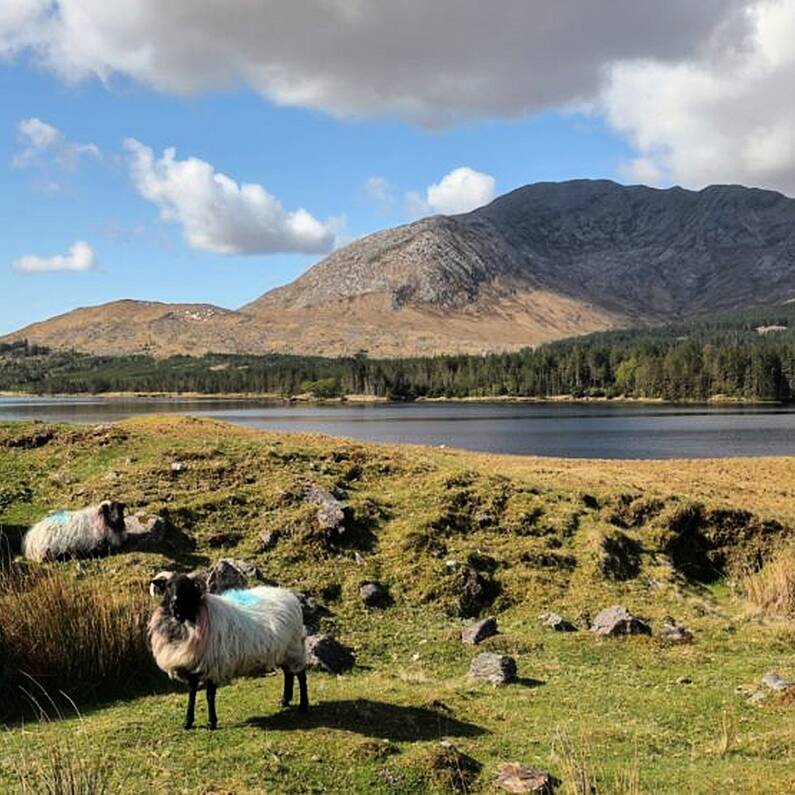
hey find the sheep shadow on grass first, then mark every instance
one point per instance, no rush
(375, 719)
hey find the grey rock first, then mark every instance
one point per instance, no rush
(229, 574)
(615, 621)
(312, 610)
(144, 532)
(557, 622)
(374, 594)
(518, 777)
(776, 682)
(327, 654)
(330, 510)
(178, 466)
(675, 633)
(499, 669)
(268, 539)
(479, 631)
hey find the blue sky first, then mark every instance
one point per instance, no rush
(305, 158)
(310, 101)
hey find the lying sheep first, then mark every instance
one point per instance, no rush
(66, 534)
(208, 640)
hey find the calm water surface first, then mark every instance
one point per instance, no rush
(569, 430)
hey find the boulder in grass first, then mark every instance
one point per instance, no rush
(230, 574)
(499, 669)
(144, 532)
(326, 653)
(675, 633)
(557, 622)
(330, 510)
(479, 631)
(374, 594)
(517, 777)
(776, 682)
(616, 621)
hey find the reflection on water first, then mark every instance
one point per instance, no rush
(595, 430)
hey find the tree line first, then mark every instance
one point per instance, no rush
(748, 355)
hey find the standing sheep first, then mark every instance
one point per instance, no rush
(65, 534)
(208, 640)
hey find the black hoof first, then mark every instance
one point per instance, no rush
(284, 704)
(187, 725)
(212, 726)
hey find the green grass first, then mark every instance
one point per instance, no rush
(611, 711)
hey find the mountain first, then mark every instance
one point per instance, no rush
(546, 261)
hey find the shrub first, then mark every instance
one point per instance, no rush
(771, 590)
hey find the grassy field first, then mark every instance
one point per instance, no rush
(621, 715)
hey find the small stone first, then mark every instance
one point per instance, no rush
(674, 633)
(267, 540)
(311, 608)
(499, 669)
(557, 622)
(616, 621)
(374, 594)
(479, 631)
(328, 654)
(517, 777)
(316, 758)
(776, 682)
(178, 466)
(684, 680)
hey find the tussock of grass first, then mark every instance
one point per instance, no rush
(771, 590)
(69, 633)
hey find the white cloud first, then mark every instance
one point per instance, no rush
(378, 191)
(432, 62)
(460, 191)
(38, 138)
(80, 258)
(700, 90)
(726, 116)
(218, 214)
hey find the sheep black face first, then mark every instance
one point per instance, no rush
(113, 514)
(182, 598)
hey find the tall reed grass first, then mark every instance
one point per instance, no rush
(771, 590)
(70, 634)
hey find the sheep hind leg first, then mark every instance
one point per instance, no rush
(190, 715)
(303, 703)
(212, 716)
(287, 696)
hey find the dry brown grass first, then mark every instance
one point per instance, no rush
(772, 589)
(69, 634)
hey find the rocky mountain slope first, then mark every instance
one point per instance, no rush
(545, 261)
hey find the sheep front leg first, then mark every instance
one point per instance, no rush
(211, 714)
(287, 697)
(193, 686)
(303, 703)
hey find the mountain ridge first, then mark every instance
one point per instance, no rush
(544, 261)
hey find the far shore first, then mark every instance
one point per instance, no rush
(309, 399)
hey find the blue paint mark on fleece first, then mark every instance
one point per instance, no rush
(61, 517)
(241, 597)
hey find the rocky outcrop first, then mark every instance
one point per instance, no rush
(499, 669)
(616, 621)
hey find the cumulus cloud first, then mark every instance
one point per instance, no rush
(700, 90)
(79, 258)
(434, 62)
(460, 191)
(218, 214)
(725, 116)
(39, 138)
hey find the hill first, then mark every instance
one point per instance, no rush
(451, 535)
(546, 261)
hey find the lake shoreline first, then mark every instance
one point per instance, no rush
(716, 400)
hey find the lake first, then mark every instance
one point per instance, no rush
(574, 430)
